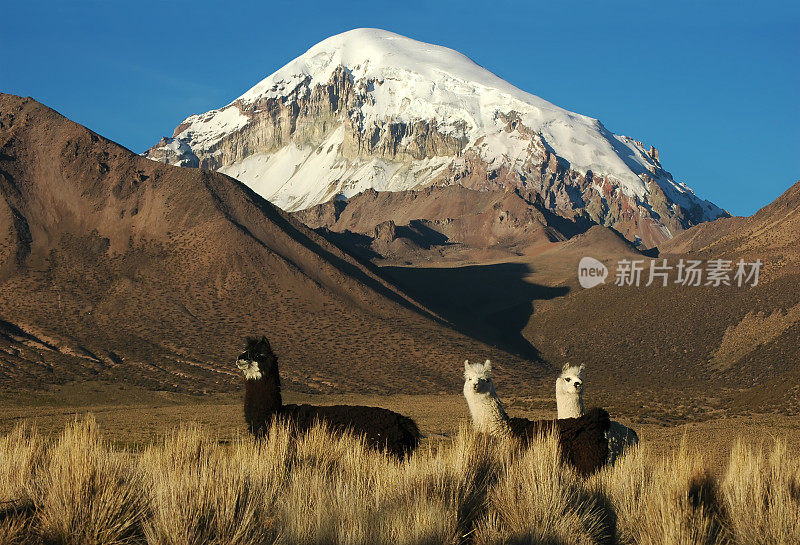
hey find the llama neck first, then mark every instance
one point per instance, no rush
(488, 415)
(262, 399)
(569, 405)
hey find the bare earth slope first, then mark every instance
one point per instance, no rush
(117, 267)
(506, 272)
(739, 347)
(443, 224)
(773, 232)
(483, 260)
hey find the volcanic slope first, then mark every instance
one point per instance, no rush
(117, 267)
(498, 265)
(727, 346)
(370, 109)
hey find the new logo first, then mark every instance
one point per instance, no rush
(591, 272)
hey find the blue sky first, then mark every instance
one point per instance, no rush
(713, 85)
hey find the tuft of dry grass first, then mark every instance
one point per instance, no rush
(21, 451)
(663, 500)
(342, 492)
(202, 493)
(85, 493)
(762, 495)
(317, 488)
(539, 500)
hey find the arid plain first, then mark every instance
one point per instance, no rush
(133, 417)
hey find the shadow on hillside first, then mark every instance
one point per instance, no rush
(491, 303)
(355, 244)
(418, 232)
(295, 230)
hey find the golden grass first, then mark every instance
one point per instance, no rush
(202, 493)
(85, 493)
(670, 500)
(21, 452)
(539, 500)
(318, 488)
(762, 495)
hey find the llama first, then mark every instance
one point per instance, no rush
(488, 415)
(381, 428)
(582, 439)
(569, 402)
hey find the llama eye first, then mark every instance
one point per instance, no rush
(567, 379)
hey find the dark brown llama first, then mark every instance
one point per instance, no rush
(381, 428)
(583, 439)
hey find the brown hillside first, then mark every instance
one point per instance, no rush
(117, 267)
(773, 232)
(669, 352)
(739, 347)
(449, 224)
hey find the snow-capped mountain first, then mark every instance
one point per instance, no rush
(372, 109)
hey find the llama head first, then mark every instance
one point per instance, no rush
(256, 359)
(478, 378)
(570, 381)
(569, 391)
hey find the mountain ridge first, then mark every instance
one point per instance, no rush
(113, 267)
(372, 109)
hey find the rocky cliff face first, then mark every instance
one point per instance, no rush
(449, 224)
(371, 109)
(116, 268)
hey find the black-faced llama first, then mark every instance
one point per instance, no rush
(381, 428)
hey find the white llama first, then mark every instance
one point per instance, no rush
(582, 439)
(488, 415)
(569, 401)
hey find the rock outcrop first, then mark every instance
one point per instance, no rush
(369, 109)
(118, 269)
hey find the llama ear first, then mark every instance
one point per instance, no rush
(565, 368)
(487, 365)
(581, 368)
(467, 365)
(252, 345)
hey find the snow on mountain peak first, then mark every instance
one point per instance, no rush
(369, 108)
(419, 80)
(379, 54)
